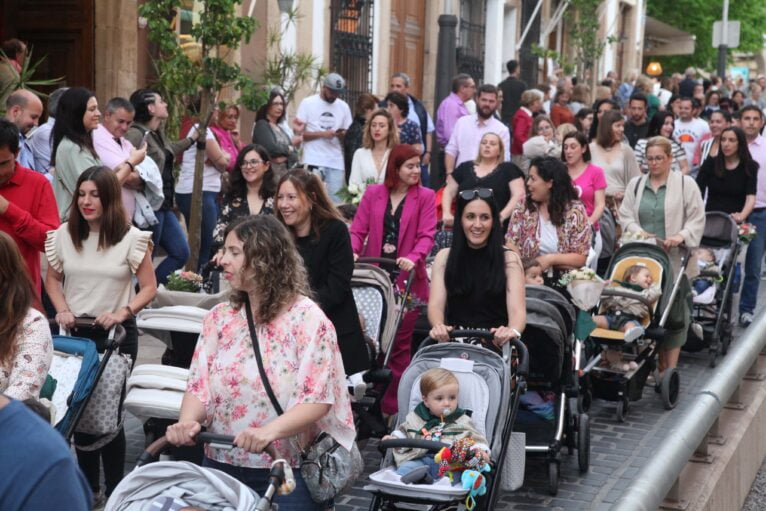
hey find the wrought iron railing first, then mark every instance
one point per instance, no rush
(470, 43)
(351, 44)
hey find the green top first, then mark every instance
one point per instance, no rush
(651, 210)
(71, 161)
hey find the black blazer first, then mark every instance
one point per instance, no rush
(330, 265)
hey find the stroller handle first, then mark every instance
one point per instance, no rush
(383, 261)
(413, 443)
(154, 449)
(519, 346)
(116, 333)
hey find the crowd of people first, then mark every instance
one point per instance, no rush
(521, 176)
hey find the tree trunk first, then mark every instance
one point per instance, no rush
(194, 223)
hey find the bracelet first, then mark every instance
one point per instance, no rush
(516, 333)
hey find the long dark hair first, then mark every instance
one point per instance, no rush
(114, 221)
(604, 134)
(275, 93)
(562, 192)
(18, 295)
(743, 153)
(458, 279)
(69, 114)
(655, 125)
(312, 189)
(237, 186)
(141, 99)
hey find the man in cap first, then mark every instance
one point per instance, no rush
(323, 119)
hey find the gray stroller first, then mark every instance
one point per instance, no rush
(490, 386)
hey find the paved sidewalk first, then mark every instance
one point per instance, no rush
(618, 451)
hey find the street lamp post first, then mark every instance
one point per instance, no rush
(723, 48)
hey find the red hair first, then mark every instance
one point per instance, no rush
(399, 154)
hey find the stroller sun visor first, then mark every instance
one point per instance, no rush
(62, 369)
(550, 295)
(720, 230)
(545, 337)
(380, 310)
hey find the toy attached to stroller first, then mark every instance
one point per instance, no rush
(612, 382)
(489, 386)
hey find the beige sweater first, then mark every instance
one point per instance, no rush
(619, 164)
(686, 217)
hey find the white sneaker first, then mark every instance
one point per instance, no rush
(631, 334)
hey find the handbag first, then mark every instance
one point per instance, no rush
(103, 413)
(327, 467)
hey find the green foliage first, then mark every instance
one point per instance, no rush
(25, 79)
(697, 17)
(583, 24)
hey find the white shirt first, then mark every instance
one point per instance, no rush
(319, 115)
(363, 167)
(549, 237)
(211, 178)
(689, 134)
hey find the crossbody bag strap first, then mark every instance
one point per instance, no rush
(257, 350)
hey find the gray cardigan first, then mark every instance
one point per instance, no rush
(263, 135)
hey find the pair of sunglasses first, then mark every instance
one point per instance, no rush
(481, 193)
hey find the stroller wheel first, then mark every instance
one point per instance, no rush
(553, 477)
(584, 400)
(622, 409)
(583, 443)
(670, 387)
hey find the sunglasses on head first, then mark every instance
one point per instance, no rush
(481, 193)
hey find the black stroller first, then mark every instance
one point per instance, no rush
(553, 372)
(713, 308)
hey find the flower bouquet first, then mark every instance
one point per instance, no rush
(636, 237)
(747, 233)
(352, 194)
(584, 286)
(186, 281)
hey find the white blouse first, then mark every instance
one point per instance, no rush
(363, 167)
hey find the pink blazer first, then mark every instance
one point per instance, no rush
(416, 230)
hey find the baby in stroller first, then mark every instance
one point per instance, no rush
(533, 272)
(624, 313)
(710, 274)
(437, 418)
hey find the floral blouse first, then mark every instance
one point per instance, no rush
(303, 364)
(409, 133)
(22, 376)
(574, 236)
(233, 209)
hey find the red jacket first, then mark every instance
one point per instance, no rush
(522, 123)
(32, 212)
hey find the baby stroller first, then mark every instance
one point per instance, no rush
(382, 307)
(490, 386)
(76, 369)
(165, 484)
(558, 417)
(625, 386)
(713, 308)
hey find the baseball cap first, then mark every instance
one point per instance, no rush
(335, 82)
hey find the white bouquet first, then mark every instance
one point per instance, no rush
(584, 286)
(636, 236)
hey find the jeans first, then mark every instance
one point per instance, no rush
(169, 235)
(753, 261)
(209, 218)
(258, 479)
(334, 179)
(408, 466)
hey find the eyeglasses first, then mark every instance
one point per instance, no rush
(481, 193)
(251, 163)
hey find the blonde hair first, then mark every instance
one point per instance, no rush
(633, 271)
(393, 130)
(564, 129)
(501, 147)
(530, 96)
(436, 378)
(662, 142)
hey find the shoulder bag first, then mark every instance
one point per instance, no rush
(327, 467)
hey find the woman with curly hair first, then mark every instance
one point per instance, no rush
(26, 347)
(249, 191)
(269, 311)
(323, 242)
(551, 224)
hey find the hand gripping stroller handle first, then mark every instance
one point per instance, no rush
(413, 443)
(384, 261)
(116, 333)
(154, 449)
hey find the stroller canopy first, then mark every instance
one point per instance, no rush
(720, 230)
(546, 337)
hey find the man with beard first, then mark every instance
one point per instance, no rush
(23, 108)
(323, 119)
(464, 142)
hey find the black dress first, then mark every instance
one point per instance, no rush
(726, 193)
(479, 308)
(330, 265)
(498, 180)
